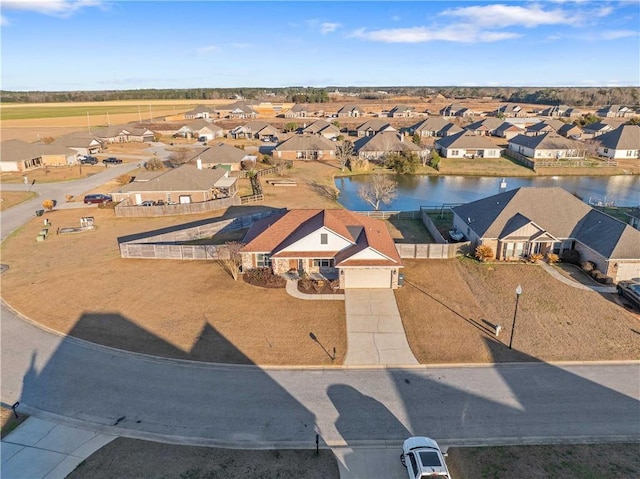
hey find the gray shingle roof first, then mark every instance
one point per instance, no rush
(385, 141)
(466, 139)
(18, 150)
(485, 124)
(221, 153)
(548, 141)
(625, 137)
(434, 123)
(183, 178)
(321, 126)
(375, 124)
(306, 142)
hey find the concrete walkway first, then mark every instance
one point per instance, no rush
(375, 334)
(40, 449)
(574, 284)
(292, 290)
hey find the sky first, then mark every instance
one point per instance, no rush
(64, 45)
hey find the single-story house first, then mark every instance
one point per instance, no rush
(434, 126)
(466, 144)
(17, 155)
(241, 110)
(123, 134)
(510, 110)
(83, 143)
(456, 109)
(623, 142)
(561, 111)
(201, 111)
(350, 111)
(185, 184)
(528, 220)
(199, 129)
(546, 126)
(484, 127)
(222, 155)
(508, 130)
(378, 146)
(600, 127)
(615, 111)
(305, 147)
(401, 111)
(322, 128)
(259, 130)
(297, 111)
(331, 244)
(569, 130)
(547, 145)
(372, 127)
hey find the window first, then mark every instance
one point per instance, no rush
(455, 152)
(630, 153)
(324, 238)
(263, 260)
(323, 263)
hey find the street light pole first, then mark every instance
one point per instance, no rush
(515, 313)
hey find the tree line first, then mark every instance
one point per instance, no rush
(573, 96)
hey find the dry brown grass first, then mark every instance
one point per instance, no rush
(12, 198)
(448, 309)
(52, 174)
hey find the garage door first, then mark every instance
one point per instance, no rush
(367, 278)
(628, 271)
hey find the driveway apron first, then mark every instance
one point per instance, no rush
(375, 334)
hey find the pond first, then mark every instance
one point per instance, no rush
(416, 191)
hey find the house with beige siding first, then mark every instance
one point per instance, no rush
(378, 146)
(354, 249)
(350, 111)
(83, 143)
(305, 147)
(549, 125)
(123, 134)
(257, 130)
(17, 155)
(322, 128)
(372, 127)
(530, 220)
(222, 155)
(434, 126)
(466, 144)
(616, 111)
(484, 127)
(546, 146)
(401, 111)
(200, 129)
(297, 111)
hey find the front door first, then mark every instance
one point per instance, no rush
(300, 265)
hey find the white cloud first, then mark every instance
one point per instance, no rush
(208, 49)
(328, 27)
(616, 34)
(507, 15)
(453, 33)
(56, 8)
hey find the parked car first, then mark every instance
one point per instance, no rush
(423, 458)
(630, 289)
(112, 161)
(99, 198)
(147, 203)
(88, 160)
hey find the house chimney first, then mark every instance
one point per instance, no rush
(199, 163)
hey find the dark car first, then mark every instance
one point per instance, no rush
(99, 198)
(112, 161)
(630, 290)
(88, 160)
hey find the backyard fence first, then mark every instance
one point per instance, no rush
(125, 209)
(433, 250)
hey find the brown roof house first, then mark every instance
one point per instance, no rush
(485, 127)
(305, 147)
(528, 220)
(350, 111)
(200, 128)
(456, 109)
(623, 142)
(258, 129)
(546, 146)
(616, 111)
(201, 111)
(380, 145)
(82, 142)
(510, 110)
(372, 127)
(401, 111)
(434, 126)
(508, 130)
(123, 134)
(242, 110)
(561, 111)
(545, 126)
(601, 127)
(297, 111)
(322, 128)
(185, 184)
(17, 155)
(329, 244)
(223, 155)
(466, 144)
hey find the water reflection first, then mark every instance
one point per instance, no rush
(415, 191)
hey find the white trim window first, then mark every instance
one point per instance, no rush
(323, 263)
(263, 260)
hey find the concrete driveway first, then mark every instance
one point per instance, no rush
(375, 334)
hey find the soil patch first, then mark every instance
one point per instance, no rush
(9, 421)
(135, 458)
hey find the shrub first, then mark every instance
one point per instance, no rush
(154, 164)
(588, 267)
(570, 256)
(536, 257)
(264, 277)
(305, 283)
(552, 258)
(484, 253)
(48, 204)
(124, 179)
(68, 197)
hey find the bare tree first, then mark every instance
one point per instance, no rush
(179, 156)
(381, 189)
(344, 153)
(231, 261)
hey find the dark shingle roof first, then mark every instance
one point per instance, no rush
(625, 137)
(548, 141)
(466, 139)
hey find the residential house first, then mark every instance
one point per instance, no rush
(185, 184)
(17, 155)
(401, 111)
(456, 109)
(466, 144)
(546, 126)
(621, 143)
(297, 111)
(123, 134)
(569, 130)
(528, 220)
(546, 146)
(600, 127)
(223, 155)
(350, 111)
(372, 127)
(82, 142)
(484, 127)
(510, 110)
(200, 129)
(561, 111)
(305, 147)
(241, 110)
(376, 147)
(258, 130)
(434, 126)
(322, 128)
(615, 111)
(508, 130)
(201, 111)
(325, 244)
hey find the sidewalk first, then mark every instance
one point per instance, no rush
(563, 279)
(40, 449)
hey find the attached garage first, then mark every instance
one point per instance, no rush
(367, 278)
(626, 271)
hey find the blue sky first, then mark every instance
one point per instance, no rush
(57, 45)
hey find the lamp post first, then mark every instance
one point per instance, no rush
(515, 313)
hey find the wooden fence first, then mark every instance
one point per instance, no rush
(244, 200)
(433, 250)
(125, 209)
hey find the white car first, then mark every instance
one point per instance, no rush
(423, 458)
